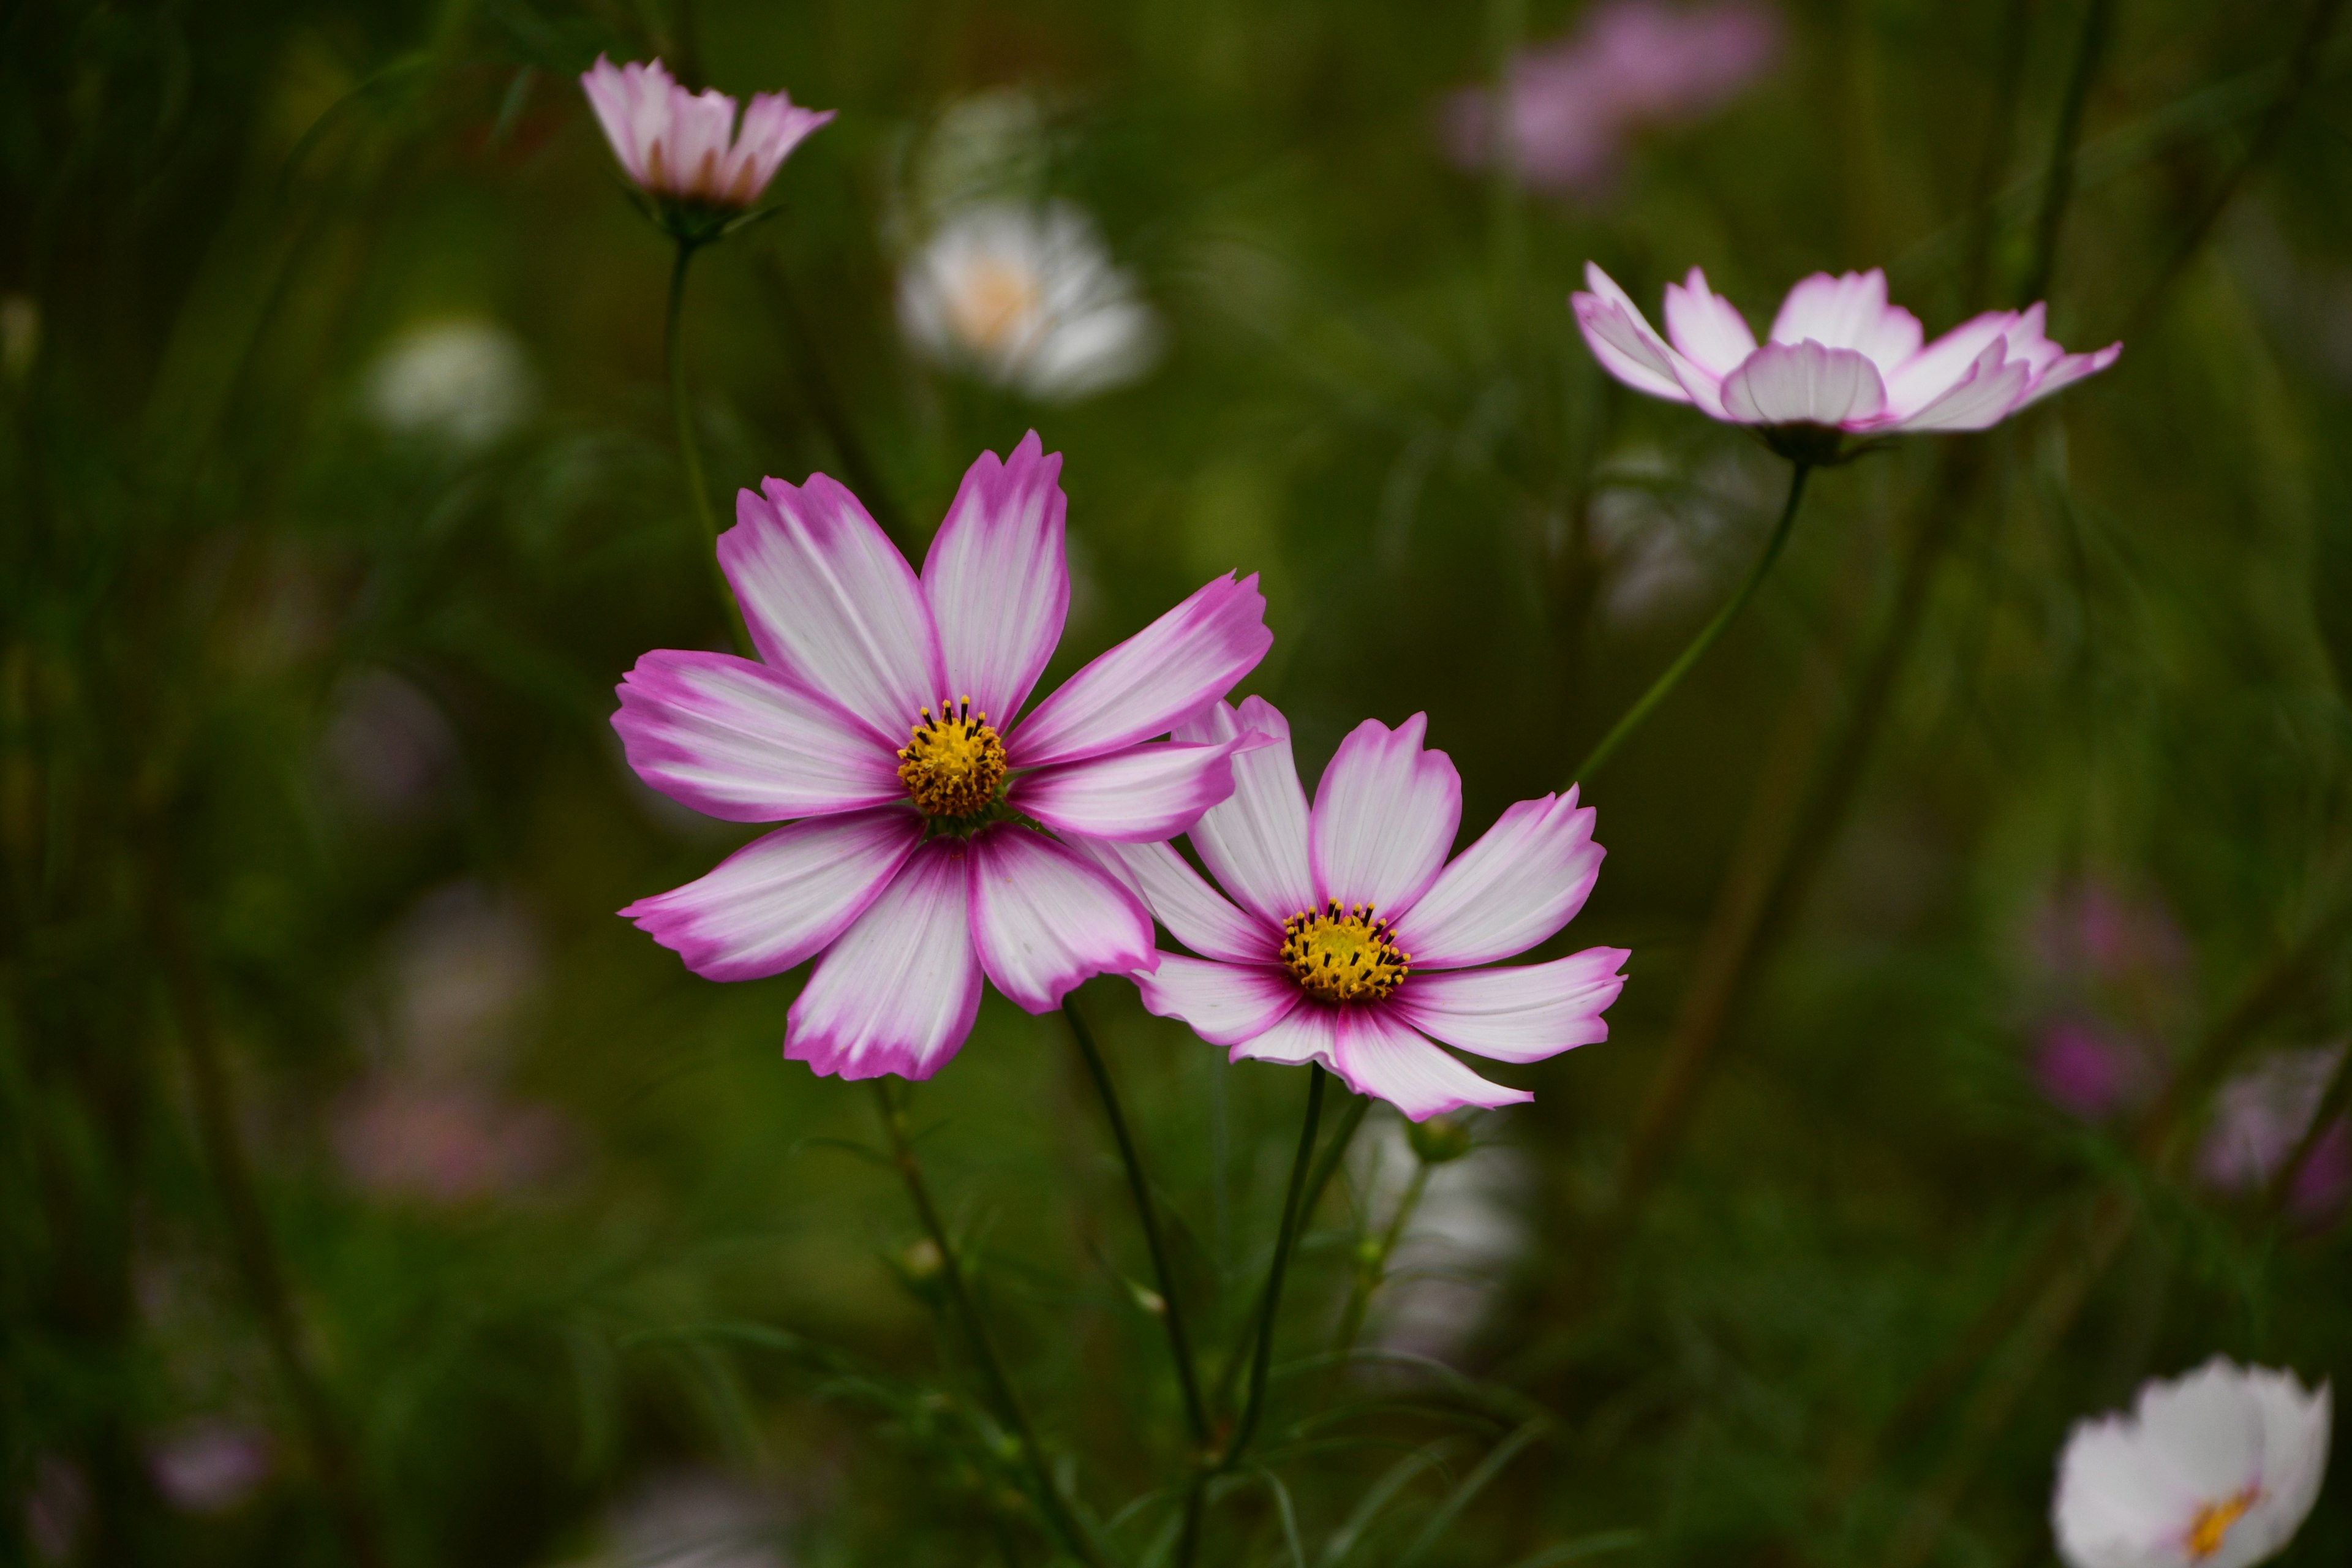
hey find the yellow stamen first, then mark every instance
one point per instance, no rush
(1343, 954)
(2211, 1525)
(955, 762)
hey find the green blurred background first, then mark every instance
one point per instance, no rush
(314, 825)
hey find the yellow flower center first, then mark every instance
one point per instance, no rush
(993, 303)
(2211, 1525)
(1343, 955)
(955, 762)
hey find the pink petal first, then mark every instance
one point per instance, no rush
(609, 95)
(782, 897)
(996, 578)
(1307, 1032)
(1142, 793)
(1979, 400)
(1380, 1056)
(1226, 1004)
(898, 991)
(1384, 817)
(1805, 383)
(1255, 844)
(1623, 339)
(773, 126)
(1518, 1015)
(2070, 370)
(1944, 364)
(1193, 912)
(1849, 312)
(832, 603)
(1044, 918)
(1706, 326)
(735, 740)
(1523, 880)
(1188, 657)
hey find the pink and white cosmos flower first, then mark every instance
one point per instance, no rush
(1349, 939)
(1838, 356)
(919, 850)
(685, 146)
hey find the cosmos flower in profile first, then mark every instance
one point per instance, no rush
(683, 149)
(924, 837)
(2215, 1470)
(1839, 361)
(1028, 298)
(1344, 937)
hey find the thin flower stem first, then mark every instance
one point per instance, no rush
(689, 449)
(1009, 1409)
(1372, 1272)
(2058, 191)
(1706, 639)
(1172, 1309)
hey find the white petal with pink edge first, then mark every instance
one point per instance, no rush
(2070, 370)
(1044, 918)
(1255, 844)
(898, 991)
(1381, 1056)
(996, 578)
(1143, 793)
(1307, 1032)
(1706, 328)
(1623, 339)
(1384, 817)
(1225, 1004)
(1518, 1015)
(832, 603)
(735, 740)
(1804, 384)
(1523, 879)
(1979, 400)
(1141, 688)
(1849, 312)
(780, 898)
(1194, 914)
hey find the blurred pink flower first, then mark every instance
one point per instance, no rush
(447, 1143)
(2092, 936)
(684, 145)
(1355, 941)
(2259, 1119)
(2090, 1072)
(917, 865)
(1567, 107)
(1838, 358)
(388, 750)
(57, 1508)
(211, 1466)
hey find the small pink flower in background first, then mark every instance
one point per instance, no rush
(881, 717)
(2109, 971)
(211, 1466)
(56, 1508)
(2094, 935)
(450, 1143)
(1350, 941)
(1569, 107)
(2259, 1119)
(685, 146)
(2090, 1072)
(1838, 358)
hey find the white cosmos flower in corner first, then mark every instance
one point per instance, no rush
(1027, 297)
(2215, 1470)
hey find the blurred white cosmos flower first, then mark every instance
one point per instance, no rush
(694, 1520)
(2215, 1470)
(1027, 297)
(1450, 1263)
(463, 381)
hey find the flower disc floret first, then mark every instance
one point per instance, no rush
(954, 765)
(1344, 955)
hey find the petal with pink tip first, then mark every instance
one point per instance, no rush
(2070, 370)
(1707, 329)
(1523, 879)
(1194, 914)
(996, 578)
(1188, 657)
(898, 991)
(1384, 817)
(1623, 339)
(1255, 844)
(1981, 399)
(735, 740)
(1145, 792)
(1518, 1014)
(1849, 312)
(1946, 363)
(1804, 384)
(609, 95)
(1307, 1032)
(1380, 1055)
(782, 897)
(1044, 918)
(1225, 1004)
(832, 603)
(773, 126)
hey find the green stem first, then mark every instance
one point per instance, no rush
(690, 451)
(1372, 1272)
(2058, 191)
(1172, 1310)
(1706, 639)
(1009, 1409)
